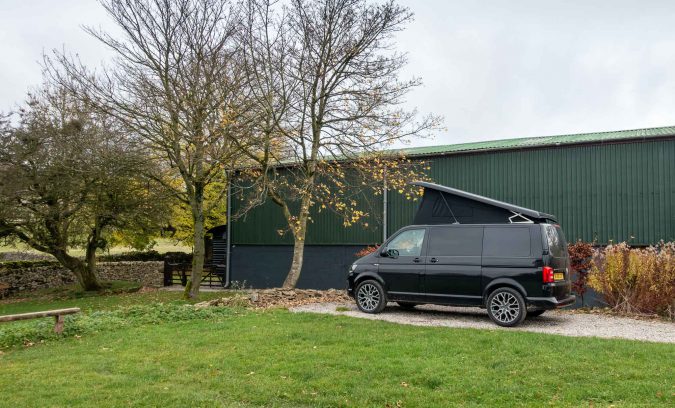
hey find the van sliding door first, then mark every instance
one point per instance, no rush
(453, 273)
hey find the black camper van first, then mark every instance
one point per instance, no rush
(468, 250)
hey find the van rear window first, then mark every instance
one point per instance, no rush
(555, 238)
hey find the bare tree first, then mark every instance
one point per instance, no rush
(173, 84)
(325, 99)
(69, 179)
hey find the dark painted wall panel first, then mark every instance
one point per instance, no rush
(266, 266)
(325, 267)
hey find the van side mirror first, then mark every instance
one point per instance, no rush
(389, 253)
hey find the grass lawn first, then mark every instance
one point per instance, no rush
(276, 358)
(73, 296)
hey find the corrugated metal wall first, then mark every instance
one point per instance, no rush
(599, 192)
(261, 226)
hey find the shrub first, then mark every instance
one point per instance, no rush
(142, 256)
(636, 280)
(581, 254)
(367, 250)
(178, 257)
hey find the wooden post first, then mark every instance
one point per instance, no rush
(4, 288)
(58, 327)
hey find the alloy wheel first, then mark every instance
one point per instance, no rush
(368, 297)
(505, 307)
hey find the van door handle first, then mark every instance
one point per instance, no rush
(416, 260)
(433, 260)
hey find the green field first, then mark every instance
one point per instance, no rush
(162, 246)
(238, 357)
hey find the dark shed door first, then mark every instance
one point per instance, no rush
(453, 272)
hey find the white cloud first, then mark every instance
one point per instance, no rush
(499, 69)
(492, 68)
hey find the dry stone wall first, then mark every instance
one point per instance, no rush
(52, 275)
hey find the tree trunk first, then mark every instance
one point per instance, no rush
(299, 233)
(89, 276)
(198, 250)
(90, 279)
(85, 274)
(296, 266)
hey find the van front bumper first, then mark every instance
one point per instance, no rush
(550, 302)
(350, 284)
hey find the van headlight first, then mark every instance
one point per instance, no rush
(352, 268)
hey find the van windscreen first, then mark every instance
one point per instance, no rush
(555, 238)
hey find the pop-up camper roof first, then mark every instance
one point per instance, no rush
(445, 205)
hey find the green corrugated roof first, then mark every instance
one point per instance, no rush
(526, 142)
(541, 141)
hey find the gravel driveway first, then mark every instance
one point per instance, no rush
(551, 322)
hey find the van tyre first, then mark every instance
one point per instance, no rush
(506, 307)
(370, 297)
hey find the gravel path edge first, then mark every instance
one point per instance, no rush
(552, 322)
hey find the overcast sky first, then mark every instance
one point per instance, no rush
(494, 69)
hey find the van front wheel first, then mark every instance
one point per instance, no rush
(506, 307)
(370, 297)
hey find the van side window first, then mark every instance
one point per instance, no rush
(408, 243)
(455, 241)
(506, 241)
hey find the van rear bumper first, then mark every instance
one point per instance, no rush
(550, 302)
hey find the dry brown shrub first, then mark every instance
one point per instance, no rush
(636, 280)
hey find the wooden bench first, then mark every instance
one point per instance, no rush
(59, 317)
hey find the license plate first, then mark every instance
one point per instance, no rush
(558, 276)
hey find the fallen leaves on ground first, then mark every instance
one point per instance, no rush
(269, 298)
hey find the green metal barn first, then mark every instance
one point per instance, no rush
(603, 187)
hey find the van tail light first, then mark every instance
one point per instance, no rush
(547, 274)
